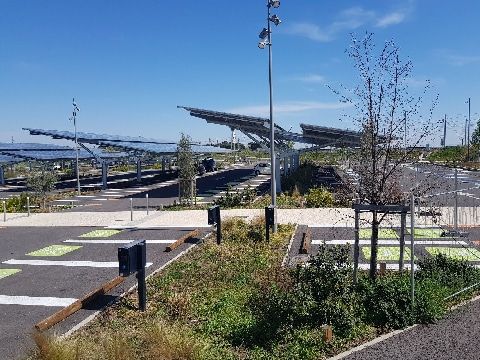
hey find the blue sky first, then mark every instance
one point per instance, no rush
(130, 63)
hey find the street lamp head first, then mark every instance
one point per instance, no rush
(263, 34)
(275, 19)
(274, 3)
(261, 44)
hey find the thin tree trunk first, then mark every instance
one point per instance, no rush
(374, 247)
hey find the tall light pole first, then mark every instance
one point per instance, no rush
(266, 40)
(468, 131)
(74, 119)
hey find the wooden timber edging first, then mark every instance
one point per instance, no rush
(306, 245)
(191, 234)
(77, 305)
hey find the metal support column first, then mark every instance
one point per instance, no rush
(412, 251)
(455, 209)
(356, 247)
(403, 222)
(104, 175)
(139, 170)
(2, 176)
(278, 176)
(163, 163)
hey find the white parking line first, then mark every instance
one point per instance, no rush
(94, 264)
(36, 301)
(391, 242)
(106, 241)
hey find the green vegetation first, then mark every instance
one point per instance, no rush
(449, 153)
(235, 301)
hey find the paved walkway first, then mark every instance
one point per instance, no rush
(454, 337)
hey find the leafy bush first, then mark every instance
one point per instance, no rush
(449, 272)
(19, 203)
(236, 199)
(430, 304)
(319, 197)
(324, 290)
(386, 301)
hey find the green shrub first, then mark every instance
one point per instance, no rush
(319, 197)
(324, 290)
(430, 305)
(454, 274)
(386, 301)
(19, 203)
(238, 198)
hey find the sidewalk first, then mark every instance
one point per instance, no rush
(322, 217)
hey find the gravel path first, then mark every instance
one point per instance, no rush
(455, 337)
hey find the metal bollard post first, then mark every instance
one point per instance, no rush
(146, 197)
(4, 211)
(28, 205)
(131, 209)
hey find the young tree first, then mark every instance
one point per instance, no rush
(186, 168)
(383, 110)
(42, 182)
(476, 135)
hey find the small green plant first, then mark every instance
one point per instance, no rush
(319, 197)
(42, 182)
(237, 198)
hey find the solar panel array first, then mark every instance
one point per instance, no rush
(91, 138)
(31, 146)
(60, 155)
(128, 144)
(312, 134)
(322, 135)
(249, 124)
(6, 159)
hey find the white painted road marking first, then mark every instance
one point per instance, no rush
(391, 242)
(94, 264)
(35, 301)
(106, 241)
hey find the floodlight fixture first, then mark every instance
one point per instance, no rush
(263, 34)
(274, 3)
(275, 19)
(262, 44)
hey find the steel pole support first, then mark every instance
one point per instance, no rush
(412, 251)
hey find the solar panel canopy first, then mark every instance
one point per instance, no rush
(32, 146)
(125, 142)
(312, 134)
(6, 159)
(60, 155)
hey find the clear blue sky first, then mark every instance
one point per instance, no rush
(130, 63)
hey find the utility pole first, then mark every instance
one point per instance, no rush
(445, 131)
(405, 133)
(74, 118)
(468, 131)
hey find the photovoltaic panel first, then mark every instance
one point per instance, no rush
(60, 155)
(91, 138)
(5, 159)
(31, 146)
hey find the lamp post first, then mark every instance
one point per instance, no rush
(74, 119)
(468, 132)
(266, 40)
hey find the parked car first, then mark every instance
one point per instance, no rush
(209, 164)
(262, 168)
